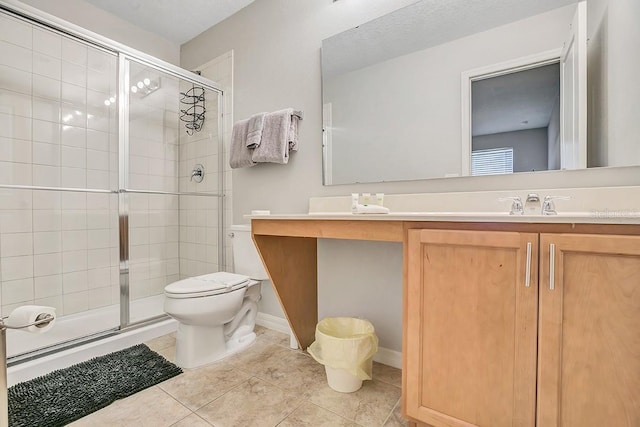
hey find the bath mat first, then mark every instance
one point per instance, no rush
(69, 394)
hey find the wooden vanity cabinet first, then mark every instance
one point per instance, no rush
(489, 343)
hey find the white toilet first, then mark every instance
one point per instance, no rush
(217, 312)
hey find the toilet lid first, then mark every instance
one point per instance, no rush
(207, 284)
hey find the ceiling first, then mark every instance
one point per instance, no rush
(422, 25)
(176, 20)
(517, 101)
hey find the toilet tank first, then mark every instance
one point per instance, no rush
(245, 255)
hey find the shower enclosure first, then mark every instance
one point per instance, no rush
(111, 180)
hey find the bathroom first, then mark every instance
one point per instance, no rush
(249, 55)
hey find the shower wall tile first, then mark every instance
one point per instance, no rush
(15, 103)
(16, 244)
(46, 154)
(44, 131)
(48, 286)
(74, 261)
(47, 264)
(17, 291)
(46, 65)
(15, 31)
(15, 127)
(47, 42)
(46, 242)
(75, 52)
(74, 282)
(15, 80)
(16, 221)
(46, 175)
(15, 150)
(75, 302)
(15, 56)
(45, 87)
(18, 267)
(74, 74)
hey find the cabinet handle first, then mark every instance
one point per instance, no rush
(552, 266)
(527, 270)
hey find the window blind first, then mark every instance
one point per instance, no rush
(491, 162)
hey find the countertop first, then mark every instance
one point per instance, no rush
(595, 217)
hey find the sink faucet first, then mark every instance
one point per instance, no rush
(532, 204)
(516, 204)
(548, 207)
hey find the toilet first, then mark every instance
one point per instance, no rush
(216, 312)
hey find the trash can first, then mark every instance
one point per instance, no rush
(345, 346)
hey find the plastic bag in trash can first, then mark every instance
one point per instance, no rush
(346, 343)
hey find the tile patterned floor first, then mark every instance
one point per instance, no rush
(267, 385)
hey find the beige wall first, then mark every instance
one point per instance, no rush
(276, 47)
(614, 37)
(108, 25)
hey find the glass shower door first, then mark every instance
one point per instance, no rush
(58, 182)
(173, 219)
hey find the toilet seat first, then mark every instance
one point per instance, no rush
(206, 285)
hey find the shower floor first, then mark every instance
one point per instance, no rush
(81, 325)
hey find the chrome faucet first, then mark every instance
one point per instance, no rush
(516, 204)
(197, 174)
(532, 204)
(548, 207)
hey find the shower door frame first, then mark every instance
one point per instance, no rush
(124, 55)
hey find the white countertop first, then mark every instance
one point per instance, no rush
(564, 218)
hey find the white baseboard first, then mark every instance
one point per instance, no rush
(388, 357)
(384, 355)
(273, 322)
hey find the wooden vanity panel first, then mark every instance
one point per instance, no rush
(377, 230)
(293, 269)
(589, 355)
(486, 374)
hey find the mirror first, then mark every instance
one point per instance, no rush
(445, 89)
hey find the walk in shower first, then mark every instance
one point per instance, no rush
(111, 180)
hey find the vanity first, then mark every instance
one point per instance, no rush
(507, 320)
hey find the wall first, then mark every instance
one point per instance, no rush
(529, 147)
(553, 138)
(108, 25)
(420, 111)
(276, 46)
(614, 37)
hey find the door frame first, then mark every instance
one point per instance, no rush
(494, 70)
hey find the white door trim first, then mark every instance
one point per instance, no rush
(494, 70)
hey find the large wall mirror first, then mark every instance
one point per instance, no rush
(462, 88)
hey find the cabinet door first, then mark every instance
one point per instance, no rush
(470, 327)
(589, 345)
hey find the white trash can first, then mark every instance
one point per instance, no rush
(345, 346)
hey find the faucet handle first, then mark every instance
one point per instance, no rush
(516, 205)
(549, 207)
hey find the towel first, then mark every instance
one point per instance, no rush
(254, 134)
(279, 136)
(240, 156)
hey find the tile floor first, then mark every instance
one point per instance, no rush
(267, 385)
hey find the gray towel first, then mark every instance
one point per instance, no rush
(279, 135)
(254, 134)
(240, 156)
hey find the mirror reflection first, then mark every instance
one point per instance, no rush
(473, 88)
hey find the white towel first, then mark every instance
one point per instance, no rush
(240, 156)
(254, 134)
(279, 136)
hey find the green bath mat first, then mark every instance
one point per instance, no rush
(69, 394)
